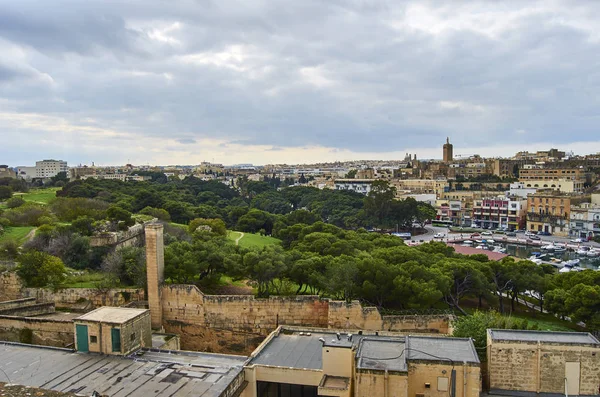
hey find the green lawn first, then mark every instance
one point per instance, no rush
(40, 196)
(17, 233)
(84, 280)
(252, 240)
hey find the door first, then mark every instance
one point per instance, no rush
(82, 338)
(115, 334)
(572, 371)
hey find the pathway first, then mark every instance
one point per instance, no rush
(237, 240)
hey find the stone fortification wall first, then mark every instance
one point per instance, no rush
(10, 286)
(38, 331)
(235, 323)
(35, 309)
(71, 296)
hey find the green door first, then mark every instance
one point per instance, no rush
(115, 334)
(82, 338)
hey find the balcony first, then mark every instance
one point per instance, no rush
(545, 218)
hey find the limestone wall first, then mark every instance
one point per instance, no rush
(38, 331)
(353, 316)
(527, 367)
(441, 324)
(11, 304)
(10, 286)
(25, 310)
(70, 296)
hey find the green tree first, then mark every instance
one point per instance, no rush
(38, 269)
(378, 202)
(5, 193)
(15, 202)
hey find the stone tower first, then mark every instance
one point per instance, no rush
(448, 157)
(155, 271)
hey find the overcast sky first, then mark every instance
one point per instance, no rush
(268, 81)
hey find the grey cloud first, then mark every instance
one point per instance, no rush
(363, 76)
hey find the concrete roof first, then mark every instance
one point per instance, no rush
(543, 336)
(292, 350)
(493, 256)
(150, 373)
(381, 354)
(114, 315)
(441, 349)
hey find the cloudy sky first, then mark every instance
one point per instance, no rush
(269, 81)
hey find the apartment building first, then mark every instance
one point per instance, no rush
(585, 220)
(500, 212)
(50, 168)
(509, 168)
(423, 186)
(452, 211)
(530, 174)
(549, 211)
(562, 185)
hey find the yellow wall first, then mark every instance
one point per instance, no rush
(375, 383)
(541, 368)
(428, 372)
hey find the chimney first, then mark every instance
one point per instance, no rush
(155, 269)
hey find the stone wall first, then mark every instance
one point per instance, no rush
(26, 310)
(70, 296)
(38, 331)
(533, 368)
(11, 304)
(10, 286)
(205, 322)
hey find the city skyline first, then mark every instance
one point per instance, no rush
(149, 83)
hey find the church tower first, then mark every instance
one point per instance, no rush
(448, 151)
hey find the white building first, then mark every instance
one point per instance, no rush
(49, 168)
(585, 220)
(518, 189)
(357, 185)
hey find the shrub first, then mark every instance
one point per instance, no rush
(28, 214)
(15, 202)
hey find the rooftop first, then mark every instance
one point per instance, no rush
(148, 373)
(543, 336)
(292, 348)
(435, 348)
(381, 354)
(115, 315)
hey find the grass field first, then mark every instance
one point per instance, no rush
(252, 240)
(40, 196)
(84, 280)
(18, 233)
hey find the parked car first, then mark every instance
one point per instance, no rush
(475, 235)
(533, 237)
(439, 235)
(578, 240)
(544, 234)
(511, 234)
(486, 233)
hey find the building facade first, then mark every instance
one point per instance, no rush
(7, 172)
(549, 212)
(50, 168)
(585, 221)
(500, 212)
(356, 185)
(541, 363)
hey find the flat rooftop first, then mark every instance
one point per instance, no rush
(382, 354)
(150, 373)
(299, 349)
(435, 348)
(543, 336)
(115, 315)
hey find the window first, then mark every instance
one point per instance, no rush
(93, 339)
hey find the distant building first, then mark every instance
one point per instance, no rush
(50, 168)
(7, 172)
(542, 363)
(549, 211)
(500, 212)
(585, 220)
(447, 151)
(25, 172)
(518, 189)
(356, 185)
(78, 172)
